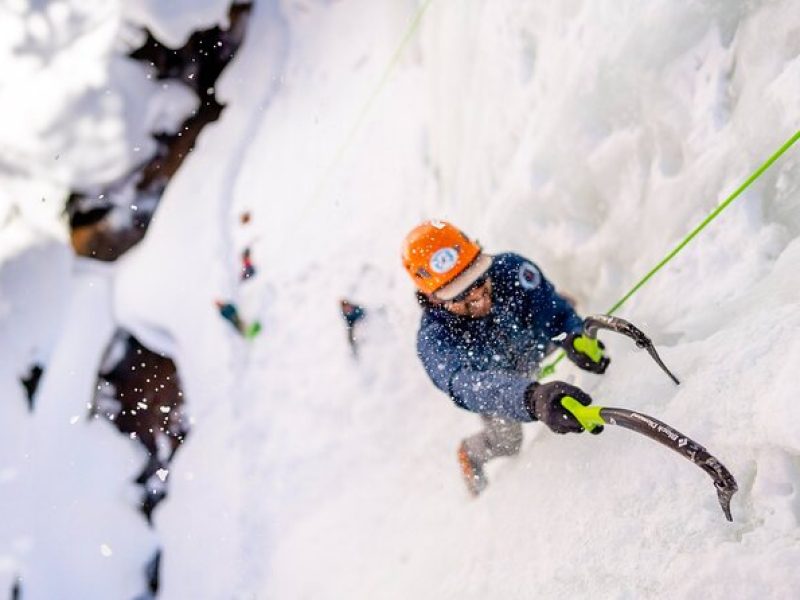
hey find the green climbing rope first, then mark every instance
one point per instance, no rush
(549, 369)
(362, 113)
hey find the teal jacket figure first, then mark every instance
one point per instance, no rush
(230, 313)
(487, 323)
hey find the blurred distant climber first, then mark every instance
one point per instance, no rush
(352, 314)
(31, 382)
(487, 323)
(248, 270)
(230, 313)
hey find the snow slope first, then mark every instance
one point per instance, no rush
(75, 114)
(588, 136)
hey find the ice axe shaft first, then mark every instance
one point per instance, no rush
(592, 323)
(590, 417)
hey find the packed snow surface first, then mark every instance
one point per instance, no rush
(588, 136)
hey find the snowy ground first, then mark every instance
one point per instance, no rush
(588, 136)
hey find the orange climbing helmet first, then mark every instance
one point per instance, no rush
(442, 261)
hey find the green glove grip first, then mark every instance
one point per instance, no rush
(253, 330)
(588, 416)
(589, 347)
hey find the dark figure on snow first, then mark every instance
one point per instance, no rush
(31, 382)
(352, 314)
(248, 270)
(230, 313)
(487, 323)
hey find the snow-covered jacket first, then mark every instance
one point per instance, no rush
(486, 364)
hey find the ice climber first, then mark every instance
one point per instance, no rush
(248, 269)
(352, 313)
(230, 313)
(487, 323)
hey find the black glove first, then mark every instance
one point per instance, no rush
(543, 401)
(586, 352)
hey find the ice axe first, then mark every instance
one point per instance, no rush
(592, 323)
(591, 417)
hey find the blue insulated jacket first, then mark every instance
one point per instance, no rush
(486, 364)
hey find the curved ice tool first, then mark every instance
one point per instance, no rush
(591, 417)
(594, 322)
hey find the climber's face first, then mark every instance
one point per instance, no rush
(474, 302)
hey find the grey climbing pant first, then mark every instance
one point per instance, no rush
(500, 437)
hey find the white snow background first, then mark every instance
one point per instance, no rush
(589, 136)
